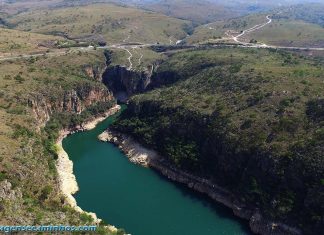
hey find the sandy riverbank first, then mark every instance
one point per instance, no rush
(64, 165)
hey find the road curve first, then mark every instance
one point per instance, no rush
(129, 58)
(254, 28)
(124, 47)
(140, 59)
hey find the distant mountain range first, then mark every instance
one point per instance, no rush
(199, 12)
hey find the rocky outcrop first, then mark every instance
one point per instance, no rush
(76, 100)
(260, 225)
(124, 82)
(136, 153)
(141, 155)
(94, 72)
(7, 193)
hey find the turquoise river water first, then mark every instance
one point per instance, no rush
(139, 199)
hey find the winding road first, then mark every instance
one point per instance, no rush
(82, 49)
(140, 59)
(129, 58)
(254, 28)
(257, 45)
(131, 55)
(123, 47)
(133, 46)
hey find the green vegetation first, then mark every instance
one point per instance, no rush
(198, 12)
(32, 91)
(251, 120)
(60, 121)
(286, 32)
(15, 42)
(311, 13)
(217, 30)
(111, 23)
(244, 118)
(142, 58)
(289, 27)
(70, 44)
(315, 110)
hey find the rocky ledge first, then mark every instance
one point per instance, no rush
(149, 158)
(135, 152)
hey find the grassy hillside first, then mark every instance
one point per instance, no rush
(142, 58)
(288, 28)
(112, 23)
(27, 150)
(250, 6)
(16, 6)
(311, 13)
(13, 42)
(290, 33)
(217, 30)
(199, 12)
(250, 120)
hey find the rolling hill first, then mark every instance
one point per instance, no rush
(289, 27)
(293, 33)
(14, 42)
(250, 120)
(310, 13)
(111, 23)
(17, 6)
(199, 12)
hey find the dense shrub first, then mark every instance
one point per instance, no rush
(65, 120)
(315, 110)
(258, 135)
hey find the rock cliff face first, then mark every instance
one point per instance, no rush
(73, 101)
(94, 72)
(124, 83)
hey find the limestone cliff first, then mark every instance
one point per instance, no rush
(123, 82)
(94, 71)
(74, 100)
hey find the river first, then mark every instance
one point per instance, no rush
(139, 199)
